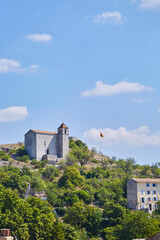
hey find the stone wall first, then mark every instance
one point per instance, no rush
(63, 142)
(30, 144)
(46, 145)
(131, 194)
(154, 237)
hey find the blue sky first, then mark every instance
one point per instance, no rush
(93, 64)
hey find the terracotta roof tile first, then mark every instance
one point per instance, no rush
(63, 126)
(43, 132)
(147, 180)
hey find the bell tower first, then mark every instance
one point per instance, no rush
(63, 141)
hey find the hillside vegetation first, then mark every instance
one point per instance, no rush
(86, 197)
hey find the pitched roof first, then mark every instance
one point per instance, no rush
(63, 126)
(146, 180)
(43, 132)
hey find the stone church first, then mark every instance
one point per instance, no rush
(47, 145)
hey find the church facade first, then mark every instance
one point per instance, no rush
(47, 145)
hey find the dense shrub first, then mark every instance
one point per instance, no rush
(95, 161)
(24, 158)
(21, 151)
(71, 178)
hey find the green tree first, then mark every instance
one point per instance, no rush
(83, 216)
(82, 155)
(75, 215)
(81, 234)
(93, 220)
(70, 159)
(21, 151)
(50, 172)
(37, 183)
(71, 178)
(138, 225)
(80, 152)
(114, 213)
(104, 163)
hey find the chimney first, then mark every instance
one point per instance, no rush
(5, 234)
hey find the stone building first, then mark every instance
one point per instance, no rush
(47, 145)
(143, 193)
(5, 234)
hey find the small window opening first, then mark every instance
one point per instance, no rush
(147, 184)
(142, 200)
(150, 207)
(154, 184)
(148, 192)
(45, 143)
(47, 151)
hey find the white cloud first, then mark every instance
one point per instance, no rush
(103, 89)
(39, 37)
(148, 4)
(13, 114)
(121, 136)
(155, 4)
(108, 17)
(9, 65)
(138, 100)
(34, 68)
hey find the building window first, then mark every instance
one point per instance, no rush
(47, 151)
(143, 206)
(65, 131)
(148, 192)
(155, 199)
(142, 192)
(154, 184)
(147, 184)
(150, 207)
(154, 192)
(45, 143)
(149, 199)
(142, 200)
